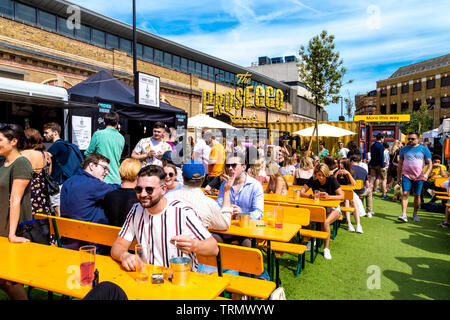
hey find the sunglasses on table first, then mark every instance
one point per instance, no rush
(139, 189)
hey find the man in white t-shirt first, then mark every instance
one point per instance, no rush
(342, 151)
(169, 228)
(150, 150)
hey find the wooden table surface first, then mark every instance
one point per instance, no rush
(55, 269)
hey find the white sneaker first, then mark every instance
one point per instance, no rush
(308, 245)
(372, 213)
(359, 228)
(416, 218)
(369, 215)
(327, 254)
(403, 218)
(350, 228)
(363, 214)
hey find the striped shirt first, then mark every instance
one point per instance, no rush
(156, 230)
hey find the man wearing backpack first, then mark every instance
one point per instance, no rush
(66, 159)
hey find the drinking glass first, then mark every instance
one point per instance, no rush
(316, 196)
(87, 264)
(142, 259)
(279, 217)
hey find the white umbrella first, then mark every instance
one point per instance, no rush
(204, 121)
(325, 130)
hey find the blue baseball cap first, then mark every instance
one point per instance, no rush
(192, 168)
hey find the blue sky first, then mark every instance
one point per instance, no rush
(374, 38)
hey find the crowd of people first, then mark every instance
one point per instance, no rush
(163, 203)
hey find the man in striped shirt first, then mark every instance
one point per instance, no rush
(169, 228)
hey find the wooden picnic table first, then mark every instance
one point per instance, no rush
(270, 197)
(54, 269)
(265, 232)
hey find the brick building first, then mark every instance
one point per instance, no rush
(410, 86)
(366, 104)
(37, 45)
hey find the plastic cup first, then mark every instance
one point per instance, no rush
(142, 256)
(279, 217)
(87, 265)
(244, 219)
(181, 267)
(270, 219)
(316, 196)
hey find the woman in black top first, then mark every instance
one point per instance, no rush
(344, 175)
(119, 202)
(329, 190)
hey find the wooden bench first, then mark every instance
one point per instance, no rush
(300, 216)
(318, 216)
(81, 230)
(242, 259)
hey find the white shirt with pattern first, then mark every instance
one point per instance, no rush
(156, 230)
(146, 144)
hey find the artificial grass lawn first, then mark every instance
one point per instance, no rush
(412, 258)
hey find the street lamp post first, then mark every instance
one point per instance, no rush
(135, 82)
(342, 118)
(215, 85)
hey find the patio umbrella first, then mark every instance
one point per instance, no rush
(205, 121)
(325, 130)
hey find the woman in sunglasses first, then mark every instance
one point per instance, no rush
(171, 178)
(15, 202)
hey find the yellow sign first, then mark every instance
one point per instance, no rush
(383, 118)
(242, 98)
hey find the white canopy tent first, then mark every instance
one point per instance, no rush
(431, 134)
(325, 130)
(205, 121)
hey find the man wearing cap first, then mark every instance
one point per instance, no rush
(209, 211)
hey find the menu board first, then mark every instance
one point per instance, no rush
(81, 131)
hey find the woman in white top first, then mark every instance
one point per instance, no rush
(288, 168)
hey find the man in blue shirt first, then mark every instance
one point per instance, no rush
(82, 194)
(241, 192)
(377, 168)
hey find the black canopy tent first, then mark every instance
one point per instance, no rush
(109, 93)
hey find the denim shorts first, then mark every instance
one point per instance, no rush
(408, 184)
(338, 209)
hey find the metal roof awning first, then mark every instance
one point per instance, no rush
(32, 89)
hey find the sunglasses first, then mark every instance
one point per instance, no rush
(411, 139)
(171, 174)
(233, 165)
(139, 189)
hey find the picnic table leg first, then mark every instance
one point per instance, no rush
(269, 261)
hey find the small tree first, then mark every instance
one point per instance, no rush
(421, 120)
(349, 106)
(321, 70)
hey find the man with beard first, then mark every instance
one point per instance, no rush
(168, 227)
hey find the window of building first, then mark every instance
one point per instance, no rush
(417, 86)
(64, 29)
(445, 81)
(25, 13)
(211, 73)
(383, 109)
(405, 88)
(383, 93)
(431, 103)
(227, 79)
(404, 106)
(84, 33)
(148, 53)
(393, 91)
(431, 84)
(112, 41)
(198, 69)
(98, 37)
(46, 20)
(393, 108)
(416, 105)
(7, 8)
(445, 102)
(184, 65)
(176, 62)
(139, 51)
(204, 71)
(191, 66)
(167, 60)
(126, 45)
(158, 57)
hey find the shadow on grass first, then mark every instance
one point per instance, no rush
(429, 279)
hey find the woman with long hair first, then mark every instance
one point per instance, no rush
(34, 151)
(304, 171)
(277, 182)
(257, 171)
(171, 178)
(15, 204)
(353, 148)
(394, 157)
